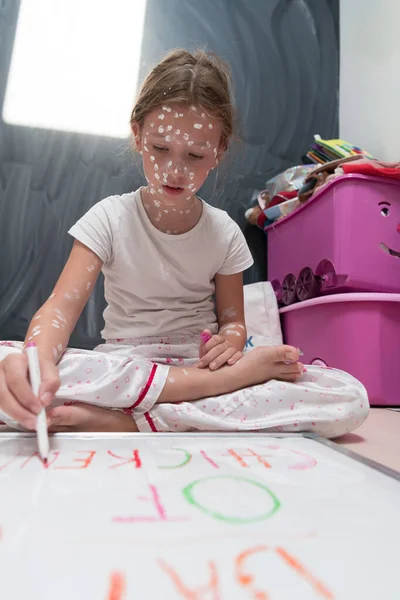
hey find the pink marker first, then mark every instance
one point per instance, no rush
(205, 337)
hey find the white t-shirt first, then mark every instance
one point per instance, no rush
(158, 284)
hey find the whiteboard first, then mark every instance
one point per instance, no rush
(195, 517)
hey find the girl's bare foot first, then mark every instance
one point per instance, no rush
(258, 366)
(266, 363)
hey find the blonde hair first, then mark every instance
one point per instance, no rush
(193, 79)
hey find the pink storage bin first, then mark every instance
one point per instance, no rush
(358, 333)
(346, 238)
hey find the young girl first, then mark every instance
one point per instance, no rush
(171, 360)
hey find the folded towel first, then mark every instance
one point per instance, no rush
(262, 316)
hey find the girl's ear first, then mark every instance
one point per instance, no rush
(136, 136)
(220, 155)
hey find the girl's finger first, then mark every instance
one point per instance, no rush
(11, 406)
(216, 340)
(213, 354)
(222, 359)
(15, 370)
(235, 358)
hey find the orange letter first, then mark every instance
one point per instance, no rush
(242, 463)
(302, 571)
(86, 461)
(245, 579)
(117, 587)
(212, 587)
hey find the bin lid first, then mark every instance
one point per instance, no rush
(335, 298)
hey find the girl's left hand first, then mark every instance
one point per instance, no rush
(217, 352)
(87, 417)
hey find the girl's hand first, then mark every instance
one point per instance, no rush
(216, 352)
(16, 397)
(78, 416)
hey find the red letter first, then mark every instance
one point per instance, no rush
(135, 459)
(49, 462)
(9, 462)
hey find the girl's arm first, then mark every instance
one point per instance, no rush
(50, 329)
(230, 309)
(52, 325)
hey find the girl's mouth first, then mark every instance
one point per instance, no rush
(172, 191)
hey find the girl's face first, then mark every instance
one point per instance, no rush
(179, 145)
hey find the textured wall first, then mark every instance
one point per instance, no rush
(284, 59)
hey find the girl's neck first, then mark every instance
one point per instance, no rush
(169, 216)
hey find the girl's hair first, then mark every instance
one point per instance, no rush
(193, 79)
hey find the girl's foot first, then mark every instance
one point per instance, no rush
(266, 363)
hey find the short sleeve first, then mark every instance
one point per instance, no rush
(238, 257)
(95, 229)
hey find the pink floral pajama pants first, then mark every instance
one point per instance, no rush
(129, 375)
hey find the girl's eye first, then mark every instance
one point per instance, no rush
(160, 148)
(196, 156)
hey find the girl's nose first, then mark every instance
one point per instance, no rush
(175, 167)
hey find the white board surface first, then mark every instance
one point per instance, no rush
(209, 517)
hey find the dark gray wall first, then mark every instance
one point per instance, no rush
(284, 60)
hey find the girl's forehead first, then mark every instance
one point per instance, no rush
(192, 121)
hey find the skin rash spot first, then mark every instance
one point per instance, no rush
(229, 312)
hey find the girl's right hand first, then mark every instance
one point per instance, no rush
(16, 397)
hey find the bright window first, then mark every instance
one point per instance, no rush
(75, 65)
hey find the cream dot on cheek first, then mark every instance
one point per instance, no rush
(177, 131)
(210, 126)
(167, 108)
(169, 127)
(161, 129)
(197, 125)
(152, 158)
(151, 124)
(156, 175)
(161, 116)
(169, 163)
(185, 136)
